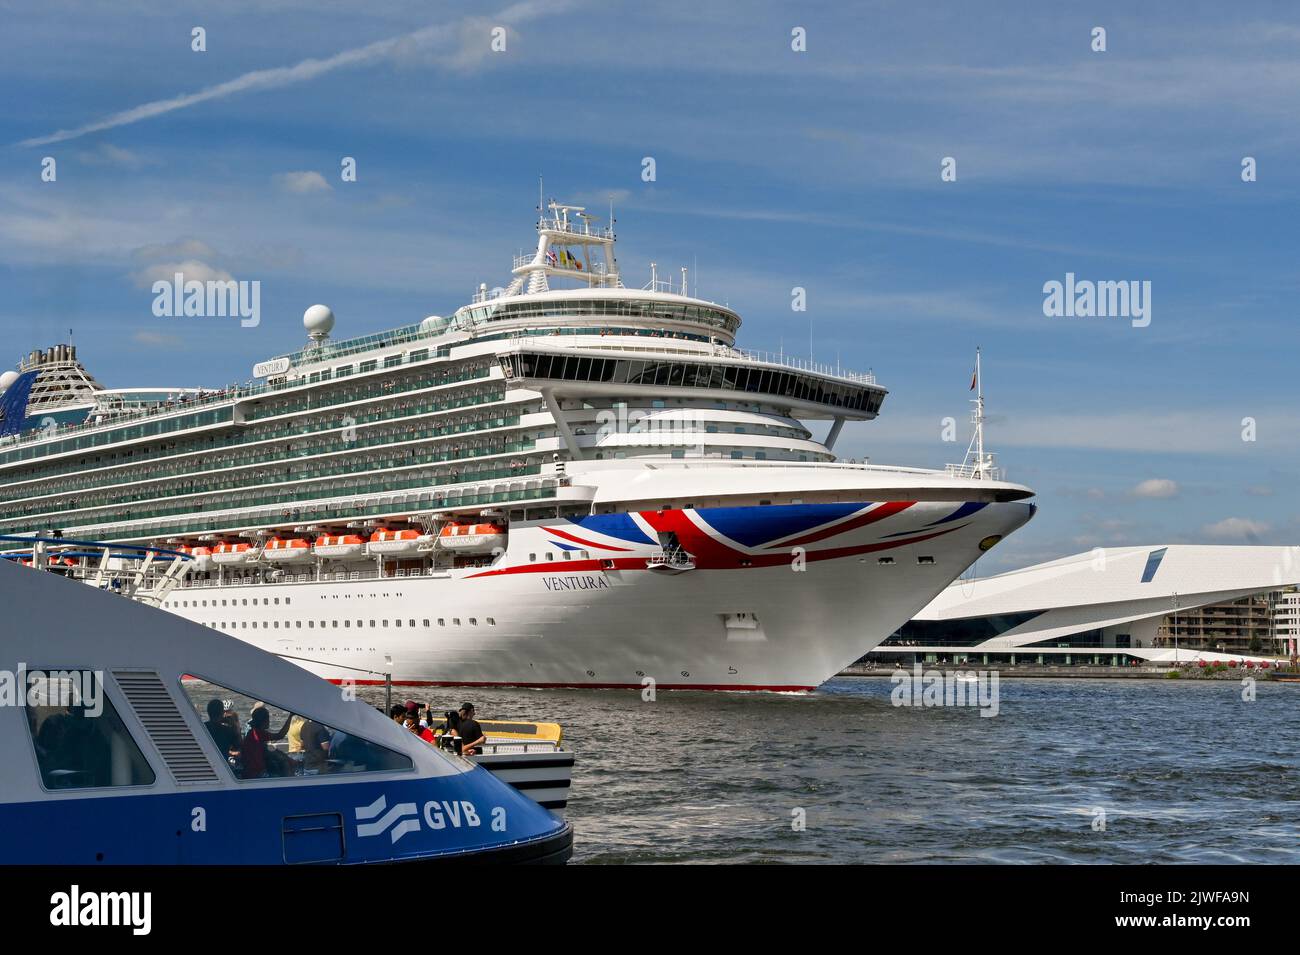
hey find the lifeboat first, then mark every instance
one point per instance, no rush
(202, 557)
(339, 545)
(236, 552)
(472, 538)
(285, 550)
(406, 541)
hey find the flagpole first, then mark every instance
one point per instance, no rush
(979, 411)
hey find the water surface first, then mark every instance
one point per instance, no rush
(1185, 772)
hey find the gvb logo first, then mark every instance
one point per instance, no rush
(389, 818)
(438, 814)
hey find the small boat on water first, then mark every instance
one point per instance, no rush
(160, 741)
(531, 757)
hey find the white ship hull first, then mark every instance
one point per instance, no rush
(785, 622)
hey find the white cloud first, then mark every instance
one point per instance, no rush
(1156, 488)
(408, 46)
(1237, 529)
(174, 250)
(106, 154)
(192, 270)
(303, 182)
(156, 339)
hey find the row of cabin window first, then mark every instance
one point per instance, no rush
(266, 602)
(567, 555)
(311, 624)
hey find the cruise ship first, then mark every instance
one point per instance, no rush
(566, 482)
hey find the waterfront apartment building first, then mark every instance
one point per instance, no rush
(1286, 621)
(1245, 625)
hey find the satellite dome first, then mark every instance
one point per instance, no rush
(7, 379)
(433, 323)
(318, 320)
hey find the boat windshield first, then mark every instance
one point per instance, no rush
(263, 741)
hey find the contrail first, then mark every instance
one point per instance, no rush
(299, 72)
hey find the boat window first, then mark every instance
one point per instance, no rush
(277, 743)
(79, 739)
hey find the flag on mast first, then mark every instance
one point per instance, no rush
(975, 373)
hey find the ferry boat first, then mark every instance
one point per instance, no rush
(122, 744)
(663, 512)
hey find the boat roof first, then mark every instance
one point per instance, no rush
(54, 623)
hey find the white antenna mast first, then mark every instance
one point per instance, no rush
(978, 462)
(979, 411)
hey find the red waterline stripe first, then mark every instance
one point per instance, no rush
(717, 687)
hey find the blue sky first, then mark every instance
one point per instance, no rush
(775, 169)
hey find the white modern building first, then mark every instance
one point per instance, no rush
(1286, 619)
(1110, 606)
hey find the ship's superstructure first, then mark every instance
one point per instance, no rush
(567, 481)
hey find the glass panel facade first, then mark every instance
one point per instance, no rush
(967, 632)
(754, 379)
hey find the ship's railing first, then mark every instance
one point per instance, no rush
(663, 285)
(556, 224)
(197, 399)
(253, 436)
(380, 480)
(800, 364)
(674, 557)
(376, 503)
(367, 573)
(975, 472)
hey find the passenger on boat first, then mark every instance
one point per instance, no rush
(256, 756)
(471, 733)
(223, 734)
(315, 739)
(448, 731)
(397, 713)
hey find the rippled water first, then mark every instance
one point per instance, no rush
(1185, 771)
